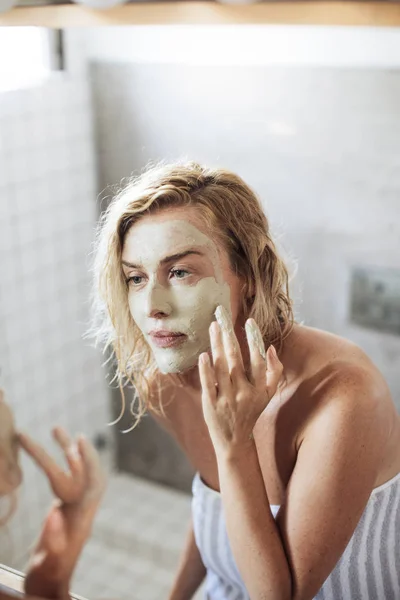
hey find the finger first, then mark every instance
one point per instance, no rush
(274, 371)
(95, 477)
(71, 453)
(44, 461)
(62, 438)
(62, 485)
(220, 364)
(258, 365)
(207, 379)
(231, 346)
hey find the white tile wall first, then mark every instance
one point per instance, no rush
(47, 217)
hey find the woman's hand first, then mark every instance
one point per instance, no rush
(232, 399)
(69, 522)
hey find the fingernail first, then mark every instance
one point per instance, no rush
(273, 351)
(254, 336)
(224, 319)
(73, 452)
(214, 328)
(204, 358)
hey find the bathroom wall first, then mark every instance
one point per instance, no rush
(47, 217)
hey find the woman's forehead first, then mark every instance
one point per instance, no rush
(161, 235)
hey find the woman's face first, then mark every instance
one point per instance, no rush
(10, 470)
(177, 276)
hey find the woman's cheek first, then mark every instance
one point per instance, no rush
(133, 305)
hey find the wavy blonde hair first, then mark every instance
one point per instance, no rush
(233, 214)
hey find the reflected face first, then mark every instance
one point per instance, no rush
(10, 470)
(177, 276)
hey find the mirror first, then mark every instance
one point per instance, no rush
(309, 118)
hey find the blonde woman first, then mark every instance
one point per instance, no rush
(292, 430)
(69, 521)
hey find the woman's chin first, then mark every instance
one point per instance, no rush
(182, 368)
(180, 361)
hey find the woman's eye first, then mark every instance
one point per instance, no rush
(135, 280)
(179, 273)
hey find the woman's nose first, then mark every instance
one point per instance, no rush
(158, 302)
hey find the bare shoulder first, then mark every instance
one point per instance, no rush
(336, 382)
(343, 364)
(310, 354)
(325, 373)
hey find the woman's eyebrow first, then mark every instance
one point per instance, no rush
(167, 259)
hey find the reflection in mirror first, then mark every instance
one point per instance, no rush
(238, 175)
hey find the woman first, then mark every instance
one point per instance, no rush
(69, 521)
(292, 431)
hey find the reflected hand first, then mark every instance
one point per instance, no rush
(69, 522)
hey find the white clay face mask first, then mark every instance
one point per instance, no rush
(174, 306)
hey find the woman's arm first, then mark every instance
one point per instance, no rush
(253, 534)
(191, 570)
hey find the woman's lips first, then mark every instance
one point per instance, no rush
(167, 340)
